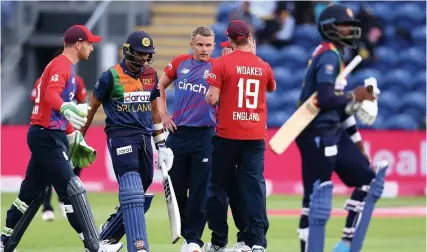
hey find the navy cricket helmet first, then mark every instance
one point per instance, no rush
(335, 15)
(139, 42)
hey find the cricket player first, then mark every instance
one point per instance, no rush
(79, 98)
(54, 116)
(127, 91)
(238, 84)
(325, 146)
(191, 130)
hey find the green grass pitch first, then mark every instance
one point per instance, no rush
(385, 234)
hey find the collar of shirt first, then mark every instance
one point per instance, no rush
(128, 72)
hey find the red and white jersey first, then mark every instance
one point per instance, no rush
(243, 79)
(56, 85)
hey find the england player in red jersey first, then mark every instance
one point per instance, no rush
(54, 116)
(238, 84)
(79, 98)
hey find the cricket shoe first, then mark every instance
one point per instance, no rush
(184, 247)
(342, 246)
(209, 247)
(48, 215)
(241, 247)
(107, 246)
(193, 247)
(257, 248)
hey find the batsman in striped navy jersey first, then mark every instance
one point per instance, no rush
(127, 92)
(331, 142)
(191, 130)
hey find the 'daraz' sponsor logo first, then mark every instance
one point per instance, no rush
(136, 97)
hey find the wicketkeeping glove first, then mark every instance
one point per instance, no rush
(75, 114)
(81, 154)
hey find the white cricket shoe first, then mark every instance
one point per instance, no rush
(107, 246)
(209, 247)
(193, 247)
(241, 247)
(184, 247)
(48, 216)
(62, 210)
(257, 248)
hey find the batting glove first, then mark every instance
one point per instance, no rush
(368, 111)
(75, 114)
(81, 154)
(165, 156)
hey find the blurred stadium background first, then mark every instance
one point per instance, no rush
(393, 46)
(394, 51)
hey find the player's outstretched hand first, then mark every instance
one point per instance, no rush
(168, 123)
(363, 93)
(75, 114)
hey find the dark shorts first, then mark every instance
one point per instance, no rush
(132, 153)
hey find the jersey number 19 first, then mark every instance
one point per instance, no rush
(249, 89)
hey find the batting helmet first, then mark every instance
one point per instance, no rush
(140, 42)
(335, 15)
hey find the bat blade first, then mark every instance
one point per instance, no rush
(173, 210)
(294, 125)
(301, 118)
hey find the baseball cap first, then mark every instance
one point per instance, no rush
(237, 30)
(78, 33)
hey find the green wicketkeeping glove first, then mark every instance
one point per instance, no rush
(81, 154)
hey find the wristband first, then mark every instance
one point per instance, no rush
(158, 126)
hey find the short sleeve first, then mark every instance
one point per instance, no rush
(155, 92)
(215, 75)
(327, 68)
(103, 86)
(171, 68)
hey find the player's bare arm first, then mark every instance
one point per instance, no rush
(212, 96)
(94, 105)
(166, 119)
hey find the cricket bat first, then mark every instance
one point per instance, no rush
(172, 206)
(303, 116)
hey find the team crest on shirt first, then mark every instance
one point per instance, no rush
(329, 69)
(146, 42)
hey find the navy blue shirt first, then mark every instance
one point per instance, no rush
(322, 72)
(126, 99)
